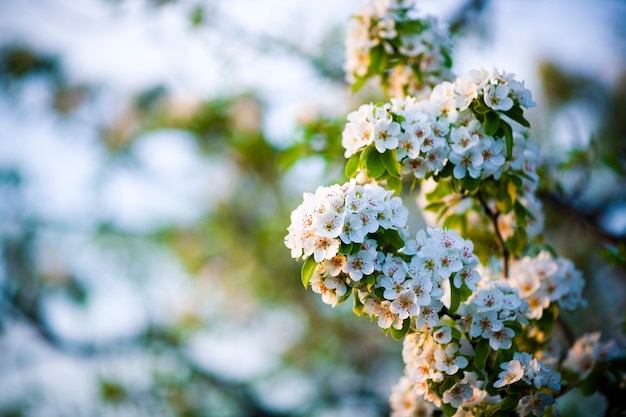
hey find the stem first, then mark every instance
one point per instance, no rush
(504, 251)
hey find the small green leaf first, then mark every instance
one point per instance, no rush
(357, 305)
(481, 353)
(516, 113)
(395, 184)
(516, 180)
(355, 247)
(375, 167)
(508, 136)
(399, 334)
(455, 296)
(448, 410)
(516, 326)
(465, 292)
(352, 165)
(346, 248)
(378, 59)
(509, 402)
(479, 107)
(344, 297)
(391, 164)
(492, 122)
(470, 184)
(435, 207)
(307, 270)
(447, 171)
(359, 83)
(390, 239)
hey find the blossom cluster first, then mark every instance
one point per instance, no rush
(542, 280)
(411, 283)
(488, 311)
(587, 351)
(430, 361)
(388, 38)
(343, 214)
(450, 126)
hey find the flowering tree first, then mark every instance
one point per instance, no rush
(476, 296)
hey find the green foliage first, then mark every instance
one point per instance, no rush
(308, 268)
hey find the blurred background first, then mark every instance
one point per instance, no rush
(152, 150)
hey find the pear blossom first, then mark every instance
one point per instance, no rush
(447, 360)
(470, 162)
(484, 322)
(461, 139)
(534, 404)
(497, 97)
(359, 264)
(500, 339)
(353, 230)
(443, 335)
(321, 247)
(457, 394)
(393, 288)
(512, 372)
(404, 305)
(386, 134)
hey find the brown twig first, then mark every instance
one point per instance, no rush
(504, 251)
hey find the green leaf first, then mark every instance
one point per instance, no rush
(455, 296)
(359, 83)
(481, 353)
(516, 113)
(507, 193)
(519, 183)
(435, 207)
(391, 163)
(307, 270)
(492, 122)
(378, 59)
(352, 165)
(395, 184)
(479, 107)
(357, 305)
(470, 184)
(399, 334)
(447, 171)
(465, 292)
(448, 410)
(344, 297)
(508, 136)
(391, 239)
(346, 248)
(374, 165)
(516, 326)
(520, 213)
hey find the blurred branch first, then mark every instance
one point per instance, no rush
(464, 16)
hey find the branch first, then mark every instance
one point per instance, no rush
(504, 251)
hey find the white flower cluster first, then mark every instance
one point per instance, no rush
(429, 361)
(413, 288)
(343, 214)
(429, 358)
(527, 369)
(532, 371)
(489, 309)
(441, 129)
(542, 280)
(416, 45)
(589, 350)
(405, 402)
